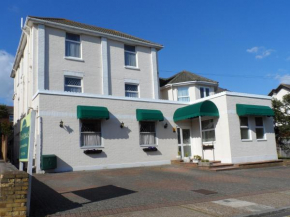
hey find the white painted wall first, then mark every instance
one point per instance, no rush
(280, 94)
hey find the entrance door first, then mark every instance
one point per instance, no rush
(185, 138)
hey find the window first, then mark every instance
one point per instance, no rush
(204, 92)
(183, 94)
(10, 118)
(91, 135)
(72, 45)
(147, 133)
(73, 84)
(208, 131)
(131, 90)
(260, 133)
(245, 130)
(130, 56)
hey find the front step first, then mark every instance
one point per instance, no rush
(224, 168)
(221, 165)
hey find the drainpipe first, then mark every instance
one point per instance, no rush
(39, 145)
(181, 143)
(172, 92)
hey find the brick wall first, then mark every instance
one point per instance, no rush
(13, 193)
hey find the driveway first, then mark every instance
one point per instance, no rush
(97, 193)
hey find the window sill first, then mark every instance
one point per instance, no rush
(93, 147)
(144, 146)
(247, 140)
(74, 58)
(132, 67)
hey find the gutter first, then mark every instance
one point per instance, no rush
(189, 82)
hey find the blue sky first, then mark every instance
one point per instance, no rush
(243, 44)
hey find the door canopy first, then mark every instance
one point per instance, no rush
(206, 108)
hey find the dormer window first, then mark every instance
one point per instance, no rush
(72, 45)
(204, 92)
(183, 94)
(130, 56)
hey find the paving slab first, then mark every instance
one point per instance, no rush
(215, 209)
(276, 200)
(165, 212)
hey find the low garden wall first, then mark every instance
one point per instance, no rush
(13, 191)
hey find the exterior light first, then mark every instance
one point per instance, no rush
(122, 125)
(165, 125)
(61, 124)
(174, 130)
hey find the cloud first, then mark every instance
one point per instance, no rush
(285, 79)
(14, 9)
(6, 87)
(260, 52)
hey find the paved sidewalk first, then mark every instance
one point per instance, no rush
(152, 191)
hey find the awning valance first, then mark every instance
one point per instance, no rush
(259, 110)
(92, 112)
(149, 115)
(206, 108)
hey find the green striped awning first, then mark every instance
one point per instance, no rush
(206, 108)
(259, 110)
(92, 112)
(149, 115)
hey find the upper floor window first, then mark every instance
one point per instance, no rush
(73, 84)
(260, 132)
(130, 56)
(72, 45)
(147, 133)
(131, 90)
(208, 130)
(204, 92)
(183, 94)
(245, 130)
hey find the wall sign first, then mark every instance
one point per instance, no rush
(24, 138)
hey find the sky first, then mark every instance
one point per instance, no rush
(242, 44)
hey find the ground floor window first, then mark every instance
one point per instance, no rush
(147, 133)
(245, 130)
(91, 135)
(208, 130)
(186, 141)
(260, 132)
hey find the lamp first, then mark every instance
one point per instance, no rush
(122, 125)
(165, 125)
(174, 130)
(61, 124)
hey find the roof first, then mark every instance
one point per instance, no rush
(219, 90)
(286, 86)
(184, 76)
(93, 28)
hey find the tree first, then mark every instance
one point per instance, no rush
(282, 121)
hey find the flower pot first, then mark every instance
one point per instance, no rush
(204, 164)
(195, 161)
(186, 159)
(178, 157)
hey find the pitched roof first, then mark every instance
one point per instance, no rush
(286, 86)
(219, 90)
(94, 28)
(184, 76)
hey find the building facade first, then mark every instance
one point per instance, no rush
(100, 104)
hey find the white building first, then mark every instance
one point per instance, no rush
(280, 91)
(99, 89)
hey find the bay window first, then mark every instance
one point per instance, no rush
(183, 94)
(204, 92)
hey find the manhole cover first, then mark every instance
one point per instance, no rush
(204, 191)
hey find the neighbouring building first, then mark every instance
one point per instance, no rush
(100, 104)
(280, 91)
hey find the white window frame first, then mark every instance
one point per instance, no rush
(156, 139)
(90, 147)
(179, 97)
(79, 42)
(246, 127)
(73, 85)
(136, 57)
(212, 129)
(260, 127)
(184, 128)
(138, 89)
(204, 92)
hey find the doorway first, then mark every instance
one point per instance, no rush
(184, 136)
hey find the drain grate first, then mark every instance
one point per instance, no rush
(204, 191)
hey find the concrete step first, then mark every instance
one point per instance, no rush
(221, 165)
(217, 169)
(215, 161)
